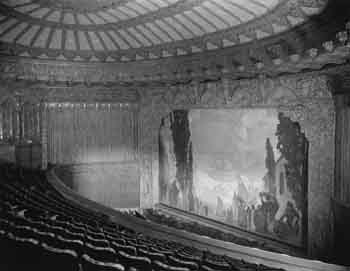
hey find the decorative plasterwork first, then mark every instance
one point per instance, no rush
(164, 72)
(142, 30)
(305, 98)
(38, 92)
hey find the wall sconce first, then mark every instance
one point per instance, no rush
(299, 110)
(241, 68)
(342, 37)
(328, 46)
(277, 61)
(259, 65)
(69, 81)
(347, 27)
(52, 78)
(312, 52)
(87, 81)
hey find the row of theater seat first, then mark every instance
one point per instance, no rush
(41, 230)
(175, 222)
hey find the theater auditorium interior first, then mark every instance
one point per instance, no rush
(175, 135)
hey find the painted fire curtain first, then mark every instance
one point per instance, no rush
(88, 133)
(243, 167)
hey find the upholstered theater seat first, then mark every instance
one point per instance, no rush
(116, 239)
(5, 224)
(24, 232)
(127, 249)
(100, 242)
(152, 255)
(73, 235)
(159, 266)
(45, 237)
(75, 245)
(192, 252)
(96, 234)
(39, 225)
(59, 223)
(7, 248)
(137, 246)
(186, 257)
(58, 230)
(181, 263)
(222, 266)
(90, 264)
(27, 252)
(140, 263)
(103, 254)
(76, 229)
(162, 251)
(56, 259)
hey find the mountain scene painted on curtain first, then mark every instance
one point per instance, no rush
(243, 167)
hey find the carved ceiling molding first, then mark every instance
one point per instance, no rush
(176, 70)
(286, 15)
(305, 98)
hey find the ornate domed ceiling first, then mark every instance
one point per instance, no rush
(132, 30)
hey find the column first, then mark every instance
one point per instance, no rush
(43, 134)
(342, 151)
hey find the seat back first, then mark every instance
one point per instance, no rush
(181, 263)
(127, 249)
(130, 261)
(151, 255)
(75, 245)
(91, 264)
(103, 254)
(205, 268)
(58, 259)
(95, 234)
(217, 265)
(45, 237)
(102, 242)
(73, 235)
(26, 249)
(159, 266)
(185, 257)
(162, 251)
(118, 240)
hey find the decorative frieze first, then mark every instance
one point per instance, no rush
(60, 92)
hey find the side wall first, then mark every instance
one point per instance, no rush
(92, 129)
(305, 98)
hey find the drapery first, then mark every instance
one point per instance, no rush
(342, 184)
(89, 133)
(20, 122)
